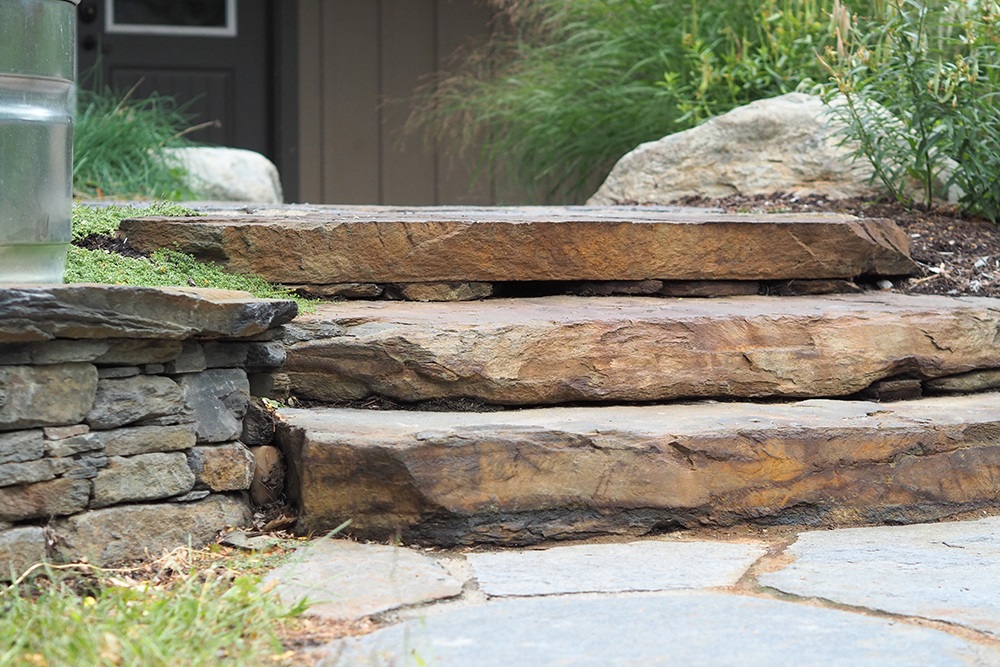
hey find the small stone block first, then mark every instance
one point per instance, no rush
(343, 290)
(983, 380)
(126, 400)
(225, 354)
(53, 395)
(63, 432)
(258, 424)
(450, 291)
(893, 390)
(811, 287)
(219, 399)
(228, 467)
(154, 369)
(265, 357)
(85, 442)
(20, 548)
(118, 372)
(21, 446)
(31, 471)
(87, 467)
(57, 497)
(148, 439)
(191, 496)
(190, 360)
(142, 477)
(138, 352)
(617, 287)
(709, 288)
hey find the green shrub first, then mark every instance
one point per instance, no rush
(118, 146)
(570, 86)
(921, 87)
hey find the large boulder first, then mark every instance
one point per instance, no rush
(787, 144)
(228, 174)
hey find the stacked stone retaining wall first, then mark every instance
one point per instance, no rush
(126, 417)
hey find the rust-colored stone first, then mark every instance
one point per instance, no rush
(559, 349)
(527, 476)
(399, 245)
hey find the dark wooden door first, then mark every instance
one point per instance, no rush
(213, 56)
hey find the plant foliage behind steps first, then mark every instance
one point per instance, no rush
(934, 67)
(118, 146)
(566, 87)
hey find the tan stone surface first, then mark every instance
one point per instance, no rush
(40, 312)
(128, 532)
(531, 475)
(396, 245)
(56, 497)
(440, 291)
(558, 349)
(227, 467)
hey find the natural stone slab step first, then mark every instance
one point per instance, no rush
(443, 244)
(559, 349)
(556, 473)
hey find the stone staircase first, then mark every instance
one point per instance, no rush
(546, 414)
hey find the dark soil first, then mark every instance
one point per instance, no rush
(957, 255)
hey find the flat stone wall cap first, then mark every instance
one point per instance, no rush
(43, 312)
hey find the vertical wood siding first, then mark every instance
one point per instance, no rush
(358, 62)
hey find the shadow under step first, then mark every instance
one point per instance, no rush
(564, 349)
(566, 473)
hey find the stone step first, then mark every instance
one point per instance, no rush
(555, 350)
(565, 473)
(384, 245)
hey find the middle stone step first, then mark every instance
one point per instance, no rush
(563, 349)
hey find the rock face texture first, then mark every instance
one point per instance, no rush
(440, 245)
(532, 475)
(558, 349)
(787, 144)
(228, 174)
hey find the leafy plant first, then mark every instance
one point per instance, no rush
(920, 97)
(567, 87)
(118, 144)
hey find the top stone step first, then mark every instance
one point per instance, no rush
(335, 245)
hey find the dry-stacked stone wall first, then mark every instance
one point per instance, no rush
(127, 417)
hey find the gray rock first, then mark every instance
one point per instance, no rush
(709, 288)
(86, 467)
(617, 287)
(54, 352)
(191, 496)
(32, 471)
(116, 534)
(41, 312)
(120, 402)
(138, 352)
(215, 173)
(190, 360)
(346, 580)
(225, 354)
(21, 446)
(118, 372)
(258, 424)
(219, 399)
(142, 477)
(344, 290)
(227, 467)
(675, 628)
(147, 439)
(54, 395)
(983, 380)
(946, 571)
(787, 144)
(20, 548)
(63, 432)
(265, 357)
(153, 369)
(77, 444)
(650, 565)
(57, 497)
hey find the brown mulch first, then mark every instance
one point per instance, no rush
(957, 255)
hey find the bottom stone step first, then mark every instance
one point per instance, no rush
(565, 473)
